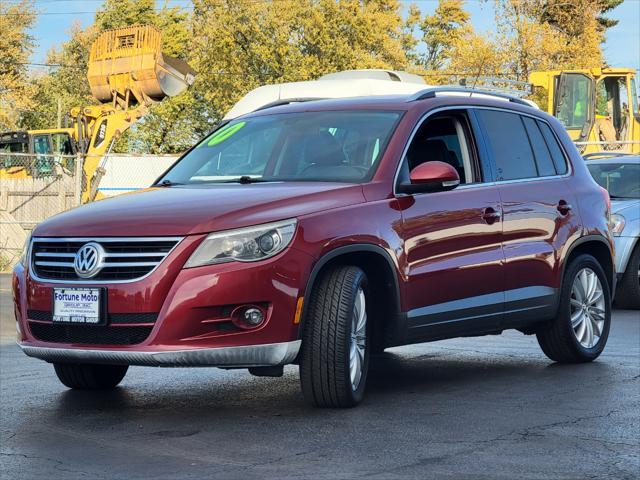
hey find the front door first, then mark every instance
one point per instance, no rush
(454, 261)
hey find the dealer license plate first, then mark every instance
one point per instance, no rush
(77, 305)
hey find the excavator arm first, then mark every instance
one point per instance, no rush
(127, 73)
(97, 128)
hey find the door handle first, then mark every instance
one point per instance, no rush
(563, 207)
(490, 216)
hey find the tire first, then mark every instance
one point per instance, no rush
(90, 377)
(327, 341)
(566, 343)
(628, 292)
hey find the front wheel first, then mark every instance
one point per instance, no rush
(580, 330)
(335, 348)
(90, 377)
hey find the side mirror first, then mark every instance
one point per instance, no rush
(431, 177)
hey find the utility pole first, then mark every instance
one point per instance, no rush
(59, 112)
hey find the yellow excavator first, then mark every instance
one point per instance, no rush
(127, 72)
(597, 106)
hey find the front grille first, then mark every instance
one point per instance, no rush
(89, 335)
(113, 318)
(125, 259)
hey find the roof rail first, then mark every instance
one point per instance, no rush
(516, 88)
(432, 91)
(287, 101)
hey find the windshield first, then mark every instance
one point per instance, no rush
(343, 146)
(622, 180)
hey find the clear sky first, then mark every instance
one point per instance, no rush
(622, 48)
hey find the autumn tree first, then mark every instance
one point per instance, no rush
(16, 45)
(550, 34)
(442, 32)
(242, 44)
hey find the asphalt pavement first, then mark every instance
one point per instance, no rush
(478, 408)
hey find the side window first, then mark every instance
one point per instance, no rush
(556, 152)
(541, 152)
(43, 164)
(62, 144)
(509, 142)
(444, 139)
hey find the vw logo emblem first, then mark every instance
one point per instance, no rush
(88, 261)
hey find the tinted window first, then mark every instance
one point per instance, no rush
(540, 150)
(554, 148)
(509, 143)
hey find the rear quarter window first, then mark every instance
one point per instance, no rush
(546, 167)
(556, 152)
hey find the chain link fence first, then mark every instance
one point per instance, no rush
(33, 187)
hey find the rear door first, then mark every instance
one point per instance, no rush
(453, 254)
(537, 208)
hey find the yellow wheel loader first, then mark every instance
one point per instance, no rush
(127, 72)
(598, 106)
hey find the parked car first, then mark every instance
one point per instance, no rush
(321, 232)
(620, 175)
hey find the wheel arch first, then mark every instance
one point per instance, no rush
(598, 247)
(381, 273)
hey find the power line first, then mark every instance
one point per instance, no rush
(42, 14)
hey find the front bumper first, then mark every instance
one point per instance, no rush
(272, 354)
(174, 316)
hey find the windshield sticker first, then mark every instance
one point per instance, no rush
(225, 133)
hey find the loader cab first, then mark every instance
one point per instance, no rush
(598, 107)
(48, 148)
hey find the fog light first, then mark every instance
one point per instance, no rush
(253, 316)
(248, 316)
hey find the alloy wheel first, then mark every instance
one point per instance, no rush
(587, 308)
(358, 339)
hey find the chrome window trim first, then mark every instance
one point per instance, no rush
(567, 160)
(35, 277)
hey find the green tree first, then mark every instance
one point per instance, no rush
(16, 45)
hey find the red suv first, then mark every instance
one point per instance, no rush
(321, 232)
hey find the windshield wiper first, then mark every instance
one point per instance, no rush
(246, 179)
(167, 183)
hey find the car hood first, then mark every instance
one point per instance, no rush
(629, 208)
(184, 210)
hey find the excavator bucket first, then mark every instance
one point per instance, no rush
(129, 61)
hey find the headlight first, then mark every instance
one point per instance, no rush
(25, 251)
(617, 224)
(244, 244)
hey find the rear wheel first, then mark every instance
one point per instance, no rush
(628, 294)
(90, 377)
(334, 356)
(580, 330)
